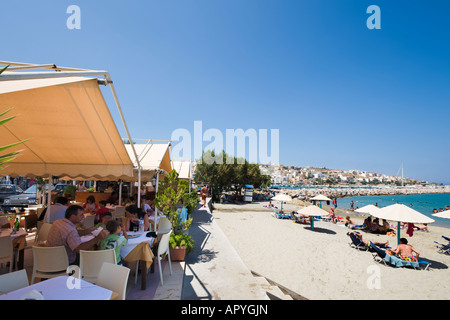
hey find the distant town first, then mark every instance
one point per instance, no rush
(304, 176)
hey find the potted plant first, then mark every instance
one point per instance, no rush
(174, 194)
(180, 244)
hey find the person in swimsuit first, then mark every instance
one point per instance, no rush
(405, 251)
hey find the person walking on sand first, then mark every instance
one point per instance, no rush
(204, 194)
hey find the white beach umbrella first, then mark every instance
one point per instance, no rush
(443, 214)
(321, 197)
(401, 213)
(368, 209)
(282, 197)
(313, 211)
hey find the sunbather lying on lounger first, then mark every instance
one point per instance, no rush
(366, 242)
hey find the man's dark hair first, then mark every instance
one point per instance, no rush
(403, 241)
(73, 210)
(62, 200)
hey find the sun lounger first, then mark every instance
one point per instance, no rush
(448, 239)
(357, 242)
(280, 215)
(442, 248)
(381, 256)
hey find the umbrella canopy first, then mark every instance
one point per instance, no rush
(313, 211)
(369, 209)
(320, 197)
(282, 197)
(443, 214)
(401, 213)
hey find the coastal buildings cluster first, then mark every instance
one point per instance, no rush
(304, 176)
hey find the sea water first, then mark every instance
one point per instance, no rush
(424, 203)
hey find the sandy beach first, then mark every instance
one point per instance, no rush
(320, 264)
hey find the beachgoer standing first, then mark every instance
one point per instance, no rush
(204, 193)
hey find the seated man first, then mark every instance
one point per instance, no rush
(57, 210)
(405, 251)
(64, 233)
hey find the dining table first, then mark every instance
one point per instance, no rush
(19, 243)
(61, 288)
(138, 248)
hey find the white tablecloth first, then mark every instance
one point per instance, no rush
(7, 232)
(133, 242)
(58, 289)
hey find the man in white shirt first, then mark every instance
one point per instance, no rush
(57, 210)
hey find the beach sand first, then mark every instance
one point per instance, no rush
(320, 264)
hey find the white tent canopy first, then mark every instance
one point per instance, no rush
(70, 127)
(183, 168)
(152, 158)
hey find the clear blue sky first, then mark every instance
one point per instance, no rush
(342, 96)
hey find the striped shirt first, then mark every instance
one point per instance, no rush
(64, 233)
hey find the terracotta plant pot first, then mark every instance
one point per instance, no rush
(177, 253)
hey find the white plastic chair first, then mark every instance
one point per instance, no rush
(92, 261)
(7, 251)
(89, 221)
(164, 225)
(119, 211)
(163, 248)
(115, 278)
(13, 281)
(49, 262)
(42, 233)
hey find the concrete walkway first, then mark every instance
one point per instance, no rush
(214, 271)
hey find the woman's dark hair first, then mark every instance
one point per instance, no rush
(91, 199)
(134, 209)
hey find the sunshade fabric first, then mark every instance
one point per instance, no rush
(320, 198)
(282, 197)
(401, 213)
(70, 126)
(369, 209)
(443, 214)
(183, 168)
(152, 157)
(313, 211)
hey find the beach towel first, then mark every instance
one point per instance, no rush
(410, 230)
(397, 262)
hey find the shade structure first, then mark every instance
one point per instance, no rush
(443, 214)
(320, 197)
(70, 127)
(183, 168)
(313, 211)
(369, 209)
(401, 213)
(282, 197)
(152, 158)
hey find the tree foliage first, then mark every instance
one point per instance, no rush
(225, 175)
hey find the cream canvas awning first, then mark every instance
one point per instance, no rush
(70, 127)
(152, 157)
(183, 167)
